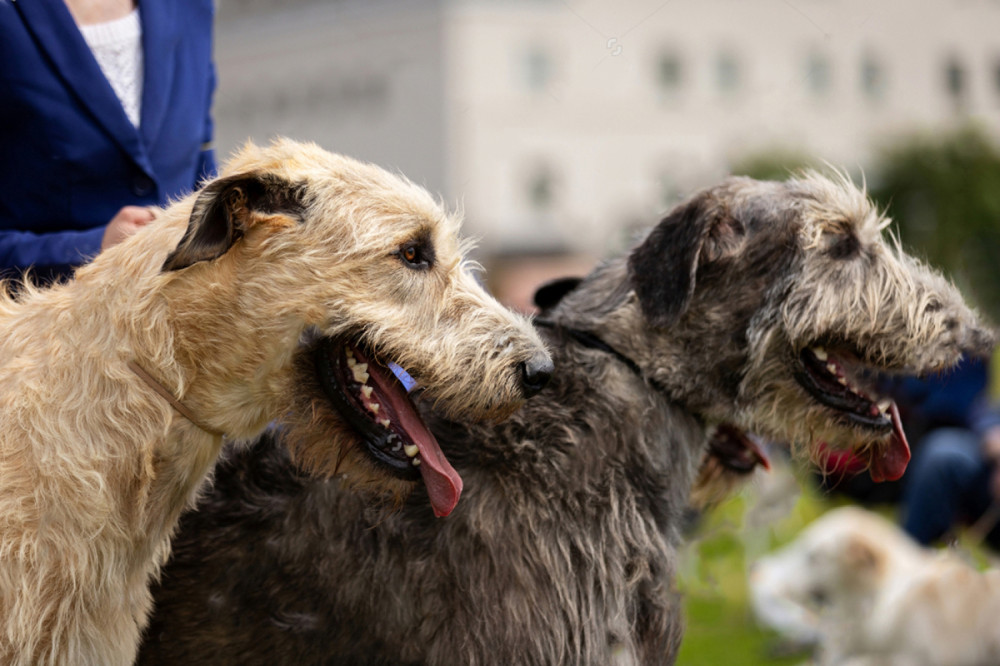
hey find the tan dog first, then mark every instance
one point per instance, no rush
(212, 301)
(872, 596)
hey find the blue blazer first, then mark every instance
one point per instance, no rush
(70, 157)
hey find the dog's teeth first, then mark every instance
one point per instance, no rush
(831, 368)
(416, 462)
(842, 380)
(411, 450)
(350, 355)
(385, 423)
(884, 405)
(373, 407)
(366, 391)
(360, 372)
(820, 353)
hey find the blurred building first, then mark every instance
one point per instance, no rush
(562, 125)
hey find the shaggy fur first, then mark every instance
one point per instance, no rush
(872, 596)
(563, 548)
(95, 467)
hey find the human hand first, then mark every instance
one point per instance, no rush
(126, 222)
(991, 444)
(991, 452)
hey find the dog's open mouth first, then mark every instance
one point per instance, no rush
(373, 400)
(840, 381)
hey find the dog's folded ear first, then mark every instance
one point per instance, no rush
(552, 292)
(859, 556)
(223, 212)
(663, 268)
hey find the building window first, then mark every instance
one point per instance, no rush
(996, 77)
(669, 193)
(536, 69)
(873, 78)
(540, 190)
(669, 73)
(818, 74)
(727, 73)
(955, 80)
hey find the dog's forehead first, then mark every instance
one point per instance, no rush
(337, 177)
(816, 203)
(759, 205)
(835, 206)
(378, 208)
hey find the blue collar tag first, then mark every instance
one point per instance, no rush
(408, 382)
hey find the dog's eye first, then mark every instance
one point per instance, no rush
(416, 255)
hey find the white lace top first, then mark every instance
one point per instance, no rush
(117, 46)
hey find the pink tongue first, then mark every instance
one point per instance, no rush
(890, 464)
(444, 485)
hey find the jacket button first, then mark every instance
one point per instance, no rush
(142, 185)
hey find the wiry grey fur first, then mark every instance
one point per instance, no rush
(562, 549)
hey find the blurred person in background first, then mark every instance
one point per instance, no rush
(954, 477)
(105, 112)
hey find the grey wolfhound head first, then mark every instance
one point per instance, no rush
(778, 306)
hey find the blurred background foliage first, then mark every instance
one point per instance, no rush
(942, 191)
(714, 576)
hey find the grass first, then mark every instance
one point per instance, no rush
(721, 630)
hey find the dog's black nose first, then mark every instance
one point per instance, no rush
(535, 374)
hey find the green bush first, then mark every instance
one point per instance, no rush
(943, 192)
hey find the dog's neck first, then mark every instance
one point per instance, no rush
(173, 318)
(181, 408)
(603, 309)
(673, 357)
(137, 283)
(591, 340)
(586, 402)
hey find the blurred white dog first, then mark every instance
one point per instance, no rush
(871, 596)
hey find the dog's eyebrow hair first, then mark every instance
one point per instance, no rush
(424, 232)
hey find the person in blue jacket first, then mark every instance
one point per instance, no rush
(954, 477)
(99, 120)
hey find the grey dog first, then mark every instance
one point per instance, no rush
(768, 305)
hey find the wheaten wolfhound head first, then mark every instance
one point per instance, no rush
(316, 244)
(775, 305)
